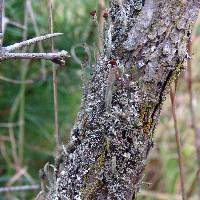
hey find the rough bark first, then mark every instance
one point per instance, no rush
(146, 45)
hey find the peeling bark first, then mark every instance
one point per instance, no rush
(145, 48)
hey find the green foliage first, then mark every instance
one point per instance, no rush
(34, 102)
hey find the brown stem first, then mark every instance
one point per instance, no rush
(178, 142)
(101, 23)
(55, 85)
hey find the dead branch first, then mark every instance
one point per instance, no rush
(55, 57)
(19, 188)
(29, 42)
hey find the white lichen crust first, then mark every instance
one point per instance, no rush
(106, 157)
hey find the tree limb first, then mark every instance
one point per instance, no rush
(146, 44)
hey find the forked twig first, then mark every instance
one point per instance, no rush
(5, 54)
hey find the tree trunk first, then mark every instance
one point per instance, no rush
(145, 47)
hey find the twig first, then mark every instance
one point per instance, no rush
(29, 178)
(19, 188)
(178, 142)
(20, 172)
(75, 56)
(158, 195)
(5, 155)
(101, 22)
(29, 42)
(55, 85)
(11, 131)
(16, 24)
(23, 73)
(192, 114)
(3, 78)
(193, 185)
(31, 13)
(4, 138)
(55, 57)
(11, 125)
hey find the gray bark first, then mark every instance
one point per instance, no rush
(113, 134)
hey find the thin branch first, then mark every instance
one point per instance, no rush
(3, 78)
(19, 188)
(22, 91)
(13, 140)
(194, 184)
(55, 85)
(4, 138)
(158, 195)
(19, 173)
(30, 12)
(101, 23)
(4, 153)
(11, 125)
(29, 42)
(58, 57)
(178, 142)
(13, 23)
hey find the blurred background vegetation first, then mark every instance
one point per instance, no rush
(26, 108)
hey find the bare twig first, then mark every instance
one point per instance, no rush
(178, 142)
(4, 138)
(55, 57)
(31, 13)
(23, 73)
(101, 22)
(55, 85)
(13, 23)
(29, 42)
(19, 188)
(5, 155)
(87, 51)
(3, 78)
(19, 173)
